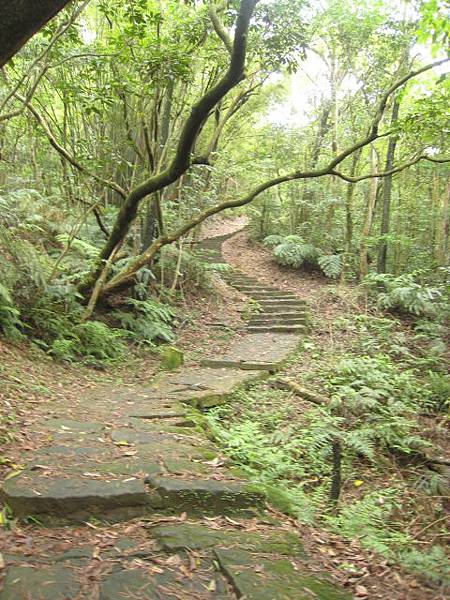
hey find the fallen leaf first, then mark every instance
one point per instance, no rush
(13, 474)
(361, 591)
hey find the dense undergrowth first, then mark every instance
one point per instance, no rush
(360, 464)
(41, 263)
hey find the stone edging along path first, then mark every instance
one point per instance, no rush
(152, 461)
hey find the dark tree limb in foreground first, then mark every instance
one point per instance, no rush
(20, 20)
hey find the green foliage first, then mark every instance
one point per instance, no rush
(367, 519)
(91, 340)
(370, 520)
(433, 563)
(273, 240)
(10, 322)
(402, 294)
(146, 321)
(293, 251)
(295, 254)
(82, 247)
(388, 399)
(331, 264)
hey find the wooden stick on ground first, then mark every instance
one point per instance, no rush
(284, 383)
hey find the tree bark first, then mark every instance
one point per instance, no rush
(182, 159)
(20, 20)
(371, 200)
(387, 194)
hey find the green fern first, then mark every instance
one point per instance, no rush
(9, 315)
(402, 293)
(148, 321)
(331, 264)
(78, 245)
(273, 240)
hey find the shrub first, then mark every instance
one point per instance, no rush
(403, 294)
(293, 251)
(147, 321)
(10, 322)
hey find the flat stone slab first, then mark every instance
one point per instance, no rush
(269, 350)
(32, 494)
(128, 435)
(298, 329)
(70, 425)
(199, 537)
(40, 583)
(141, 584)
(255, 578)
(207, 496)
(205, 387)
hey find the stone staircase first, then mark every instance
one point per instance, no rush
(137, 453)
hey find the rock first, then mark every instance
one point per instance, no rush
(142, 584)
(73, 498)
(128, 435)
(171, 358)
(256, 578)
(178, 466)
(206, 387)
(207, 496)
(40, 583)
(198, 537)
(261, 351)
(73, 426)
(130, 583)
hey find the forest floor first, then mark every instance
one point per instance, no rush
(34, 386)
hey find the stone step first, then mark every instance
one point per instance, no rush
(282, 307)
(283, 302)
(243, 282)
(270, 296)
(268, 320)
(250, 291)
(282, 314)
(276, 328)
(74, 498)
(206, 496)
(246, 365)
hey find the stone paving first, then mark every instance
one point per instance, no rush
(139, 454)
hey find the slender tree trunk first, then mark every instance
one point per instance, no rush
(441, 248)
(387, 194)
(368, 220)
(349, 217)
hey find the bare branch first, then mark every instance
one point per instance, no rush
(67, 156)
(182, 159)
(397, 169)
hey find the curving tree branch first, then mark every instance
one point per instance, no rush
(182, 159)
(126, 277)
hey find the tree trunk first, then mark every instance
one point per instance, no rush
(363, 256)
(387, 193)
(442, 230)
(349, 217)
(20, 20)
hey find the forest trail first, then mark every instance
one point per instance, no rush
(193, 529)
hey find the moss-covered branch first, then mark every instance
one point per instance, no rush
(182, 158)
